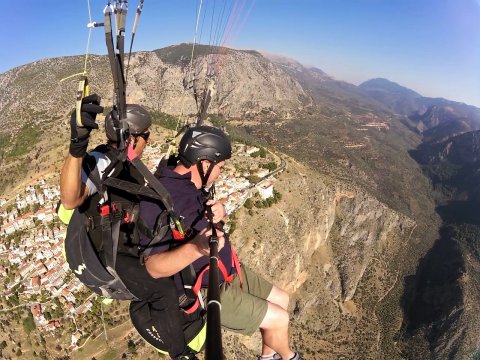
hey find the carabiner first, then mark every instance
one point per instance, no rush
(107, 7)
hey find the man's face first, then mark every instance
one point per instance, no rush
(216, 171)
(141, 141)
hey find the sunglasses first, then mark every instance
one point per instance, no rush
(145, 135)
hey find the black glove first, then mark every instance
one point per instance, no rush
(79, 134)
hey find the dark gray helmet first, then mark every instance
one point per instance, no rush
(204, 143)
(138, 120)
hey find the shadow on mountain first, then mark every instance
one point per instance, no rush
(433, 298)
(433, 294)
(460, 212)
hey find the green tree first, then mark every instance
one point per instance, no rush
(131, 346)
(233, 226)
(277, 195)
(263, 153)
(29, 323)
(253, 179)
(259, 204)
(269, 166)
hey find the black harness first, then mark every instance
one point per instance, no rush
(108, 224)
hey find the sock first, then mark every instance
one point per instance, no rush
(268, 357)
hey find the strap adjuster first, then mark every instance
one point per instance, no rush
(104, 210)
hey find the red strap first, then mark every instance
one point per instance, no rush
(196, 290)
(223, 270)
(226, 277)
(192, 308)
(236, 263)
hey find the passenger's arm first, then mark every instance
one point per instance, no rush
(170, 262)
(73, 191)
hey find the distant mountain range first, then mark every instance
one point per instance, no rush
(435, 118)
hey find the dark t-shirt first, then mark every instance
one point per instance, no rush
(188, 204)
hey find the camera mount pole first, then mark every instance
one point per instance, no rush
(214, 349)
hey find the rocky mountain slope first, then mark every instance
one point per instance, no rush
(334, 248)
(357, 212)
(440, 300)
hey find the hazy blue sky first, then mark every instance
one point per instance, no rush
(430, 46)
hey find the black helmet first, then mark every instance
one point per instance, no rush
(138, 120)
(204, 143)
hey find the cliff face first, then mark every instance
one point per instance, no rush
(336, 250)
(255, 86)
(246, 84)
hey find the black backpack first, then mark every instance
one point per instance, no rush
(98, 272)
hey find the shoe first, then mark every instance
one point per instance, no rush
(297, 356)
(274, 356)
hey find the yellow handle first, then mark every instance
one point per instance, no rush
(83, 90)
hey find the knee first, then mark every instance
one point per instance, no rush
(279, 297)
(276, 317)
(284, 299)
(284, 318)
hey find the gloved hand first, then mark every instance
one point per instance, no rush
(79, 134)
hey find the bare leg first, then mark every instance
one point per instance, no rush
(279, 297)
(274, 327)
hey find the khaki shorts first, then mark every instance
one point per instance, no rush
(243, 308)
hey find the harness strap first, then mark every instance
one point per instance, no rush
(196, 291)
(110, 214)
(202, 112)
(228, 279)
(204, 176)
(156, 185)
(134, 30)
(151, 179)
(236, 264)
(91, 170)
(156, 236)
(109, 41)
(188, 276)
(110, 234)
(132, 188)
